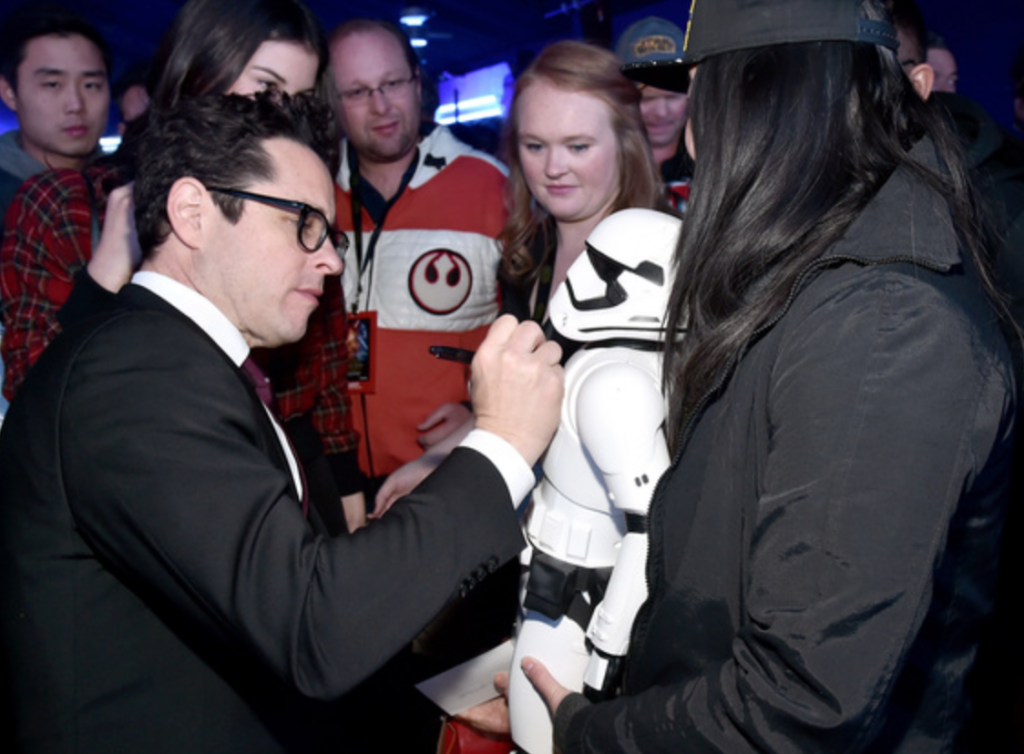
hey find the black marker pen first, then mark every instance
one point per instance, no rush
(450, 353)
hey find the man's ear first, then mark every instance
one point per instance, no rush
(922, 76)
(187, 203)
(7, 94)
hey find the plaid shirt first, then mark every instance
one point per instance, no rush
(47, 241)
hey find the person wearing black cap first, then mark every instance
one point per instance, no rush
(822, 547)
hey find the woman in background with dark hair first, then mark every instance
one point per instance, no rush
(220, 47)
(821, 558)
(48, 255)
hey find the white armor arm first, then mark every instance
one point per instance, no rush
(620, 417)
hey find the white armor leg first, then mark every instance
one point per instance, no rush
(561, 646)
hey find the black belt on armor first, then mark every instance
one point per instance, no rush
(556, 588)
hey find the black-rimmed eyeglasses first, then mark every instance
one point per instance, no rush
(314, 228)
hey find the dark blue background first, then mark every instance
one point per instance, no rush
(983, 34)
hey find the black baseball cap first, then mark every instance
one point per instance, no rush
(718, 26)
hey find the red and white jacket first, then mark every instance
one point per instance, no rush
(432, 280)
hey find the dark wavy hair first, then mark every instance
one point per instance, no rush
(792, 141)
(206, 49)
(574, 67)
(218, 140)
(208, 45)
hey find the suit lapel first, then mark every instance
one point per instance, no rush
(138, 298)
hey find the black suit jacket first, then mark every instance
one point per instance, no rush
(160, 590)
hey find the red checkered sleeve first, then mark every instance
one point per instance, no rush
(46, 240)
(309, 377)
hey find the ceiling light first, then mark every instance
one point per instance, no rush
(414, 16)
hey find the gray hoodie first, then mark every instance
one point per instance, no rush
(15, 166)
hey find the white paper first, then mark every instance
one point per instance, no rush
(470, 683)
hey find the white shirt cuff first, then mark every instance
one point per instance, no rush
(513, 468)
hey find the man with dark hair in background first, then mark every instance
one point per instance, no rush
(161, 587)
(943, 62)
(54, 67)
(130, 94)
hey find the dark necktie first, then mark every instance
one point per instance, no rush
(261, 382)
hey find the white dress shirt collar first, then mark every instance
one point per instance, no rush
(199, 309)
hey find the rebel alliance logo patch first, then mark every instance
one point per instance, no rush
(440, 281)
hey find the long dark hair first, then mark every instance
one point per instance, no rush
(206, 49)
(792, 141)
(208, 45)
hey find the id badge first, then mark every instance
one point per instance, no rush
(362, 352)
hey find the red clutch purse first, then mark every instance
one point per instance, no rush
(459, 738)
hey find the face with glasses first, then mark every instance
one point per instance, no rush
(379, 96)
(266, 271)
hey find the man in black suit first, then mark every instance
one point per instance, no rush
(161, 589)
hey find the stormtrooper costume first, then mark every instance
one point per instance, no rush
(587, 520)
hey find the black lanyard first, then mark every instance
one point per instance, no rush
(355, 184)
(540, 306)
(544, 278)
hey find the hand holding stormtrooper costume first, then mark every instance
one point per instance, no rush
(587, 521)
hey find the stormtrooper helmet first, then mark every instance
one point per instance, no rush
(619, 288)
